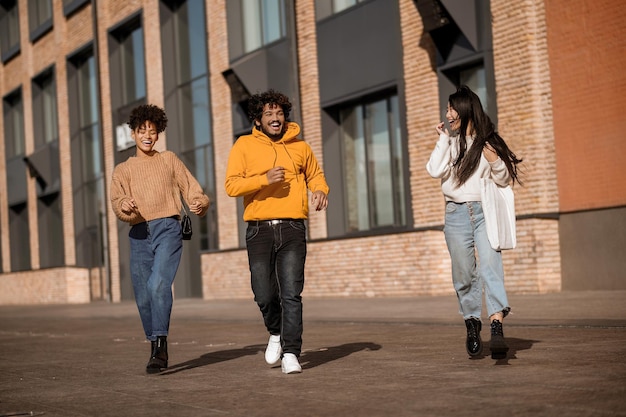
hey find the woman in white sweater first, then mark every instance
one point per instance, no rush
(473, 150)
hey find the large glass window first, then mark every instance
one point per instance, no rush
(19, 237)
(9, 29)
(263, 22)
(14, 125)
(325, 8)
(45, 108)
(70, 6)
(187, 99)
(87, 165)
(373, 165)
(45, 166)
(132, 61)
(39, 17)
(475, 78)
(128, 80)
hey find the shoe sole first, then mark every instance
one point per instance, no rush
(478, 353)
(498, 348)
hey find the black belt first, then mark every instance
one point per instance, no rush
(273, 222)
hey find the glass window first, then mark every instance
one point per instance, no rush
(263, 22)
(19, 238)
(45, 108)
(325, 8)
(87, 165)
(475, 78)
(9, 29)
(70, 6)
(187, 99)
(374, 165)
(39, 17)
(50, 222)
(14, 125)
(131, 61)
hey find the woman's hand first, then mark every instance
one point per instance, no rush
(196, 207)
(490, 154)
(441, 130)
(128, 206)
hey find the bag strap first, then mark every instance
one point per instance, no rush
(182, 204)
(182, 201)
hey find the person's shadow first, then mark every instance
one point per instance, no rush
(313, 358)
(515, 345)
(310, 359)
(214, 357)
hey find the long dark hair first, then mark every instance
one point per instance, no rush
(467, 104)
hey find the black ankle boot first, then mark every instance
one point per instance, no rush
(158, 357)
(473, 343)
(497, 345)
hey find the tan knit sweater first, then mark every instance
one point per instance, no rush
(156, 184)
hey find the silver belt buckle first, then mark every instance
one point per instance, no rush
(275, 222)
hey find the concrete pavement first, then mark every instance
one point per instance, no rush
(361, 357)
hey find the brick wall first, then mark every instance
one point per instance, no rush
(398, 265)
(418, 263)
(49, 286)
(529, 92)
(587, 41)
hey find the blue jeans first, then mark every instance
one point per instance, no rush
(466, 236)
(155, 250)
(276, 254)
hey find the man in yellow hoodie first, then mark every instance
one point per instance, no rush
(272, 169)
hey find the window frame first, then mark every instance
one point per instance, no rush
(45, 107)
(9, 28)
(39, 21)
(238, 25)
(398, 170)
(187, 86)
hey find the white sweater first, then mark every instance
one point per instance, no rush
(440, 166)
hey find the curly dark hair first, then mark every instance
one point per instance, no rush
(258, 101)
(148, 113)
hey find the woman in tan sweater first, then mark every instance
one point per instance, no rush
(146, 192)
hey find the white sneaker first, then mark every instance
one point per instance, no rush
(273, 350)
(290, 364)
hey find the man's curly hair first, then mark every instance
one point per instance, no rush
(272, 97)
(148, 113)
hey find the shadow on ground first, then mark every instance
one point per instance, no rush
(515, 345)
(309, 359)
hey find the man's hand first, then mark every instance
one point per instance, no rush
(319, 201)
(276, 174)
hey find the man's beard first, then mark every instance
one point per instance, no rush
(274, 136)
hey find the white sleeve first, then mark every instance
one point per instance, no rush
(439, 163)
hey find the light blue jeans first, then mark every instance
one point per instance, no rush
(155, 250)
(466, 236)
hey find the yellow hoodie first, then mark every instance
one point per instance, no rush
(253, 155)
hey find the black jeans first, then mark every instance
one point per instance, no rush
(276, 254)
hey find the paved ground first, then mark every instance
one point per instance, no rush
(362, 357)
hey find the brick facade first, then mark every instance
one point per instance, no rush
(544, 68)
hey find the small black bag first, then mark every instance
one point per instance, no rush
(186, 227)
